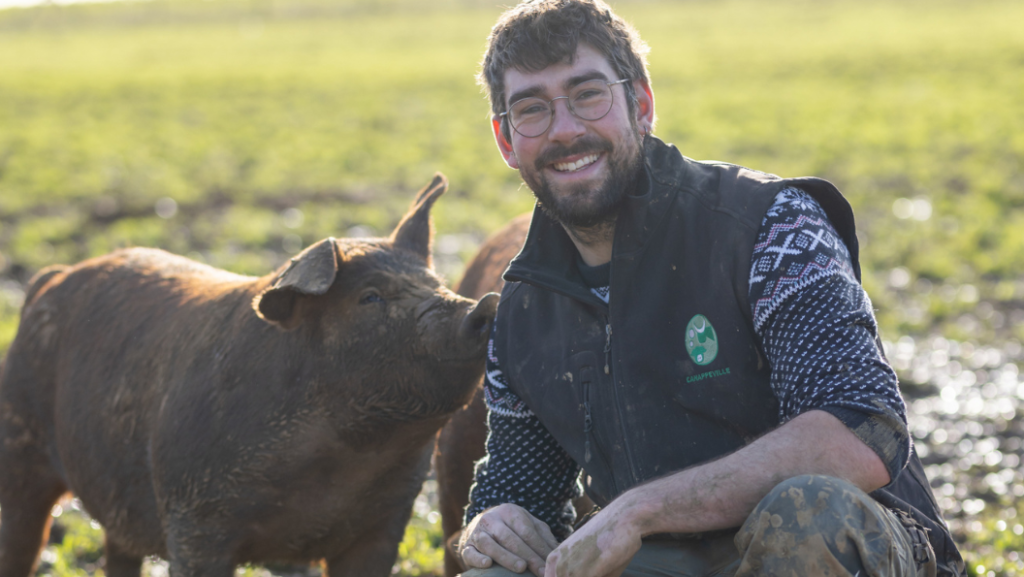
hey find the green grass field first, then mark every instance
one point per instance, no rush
(236, 132)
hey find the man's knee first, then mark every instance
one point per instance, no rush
(827, 522)
(815, 505)
(810, 499)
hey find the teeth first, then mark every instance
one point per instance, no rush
(574, 166)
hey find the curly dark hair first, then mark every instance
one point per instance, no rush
(538, 33)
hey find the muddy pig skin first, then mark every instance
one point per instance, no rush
(215, 419)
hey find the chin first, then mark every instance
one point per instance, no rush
(585, 205)
(582, 206)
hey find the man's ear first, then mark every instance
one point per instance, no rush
(504, 146)
(644, 105)
(312, 272)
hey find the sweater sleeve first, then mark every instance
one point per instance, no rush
(524, 465)
(818, 331)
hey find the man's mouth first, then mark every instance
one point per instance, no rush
(577, 165)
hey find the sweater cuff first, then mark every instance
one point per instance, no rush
(884, 432)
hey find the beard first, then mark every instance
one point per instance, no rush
(588, 206)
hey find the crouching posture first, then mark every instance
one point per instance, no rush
(693, 336)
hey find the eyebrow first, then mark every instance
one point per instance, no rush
(569, 84)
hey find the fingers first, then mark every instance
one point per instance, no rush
(474, 559)
(546, 535)
(601, 548)
(509, 536)
(532, 532)
(509, 551)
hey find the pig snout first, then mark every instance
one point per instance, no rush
(460, 337)
(476, 327)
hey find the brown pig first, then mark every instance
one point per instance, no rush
(215, 419)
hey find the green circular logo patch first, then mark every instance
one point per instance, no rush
(701, 340)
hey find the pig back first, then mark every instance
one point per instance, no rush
(103, 344)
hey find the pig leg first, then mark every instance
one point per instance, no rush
(120, 563)
(193, 552)
(25, 525)
(374, 554)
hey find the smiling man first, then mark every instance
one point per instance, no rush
(692, 336)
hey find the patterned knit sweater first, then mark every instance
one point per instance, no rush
(817, 330)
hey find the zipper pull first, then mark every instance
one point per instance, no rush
(607, 348)
(588, 422)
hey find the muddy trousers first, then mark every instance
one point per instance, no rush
(809, 525)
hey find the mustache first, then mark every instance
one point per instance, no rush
(559, 151)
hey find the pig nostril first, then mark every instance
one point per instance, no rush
(478, 321)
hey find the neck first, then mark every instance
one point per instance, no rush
(593, 242)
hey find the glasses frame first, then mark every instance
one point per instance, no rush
(504, 115)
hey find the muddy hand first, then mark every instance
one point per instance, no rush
(509, 536)
(601, 548)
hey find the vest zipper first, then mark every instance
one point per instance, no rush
(588, 421)
(607, 348)
(618, 402)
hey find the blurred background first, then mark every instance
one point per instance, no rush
(238, 131)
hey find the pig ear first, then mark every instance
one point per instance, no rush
(415, 232)
(312, 272)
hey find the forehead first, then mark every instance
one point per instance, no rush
(377, 258)
(553, 80)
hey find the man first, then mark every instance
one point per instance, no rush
(693, 336)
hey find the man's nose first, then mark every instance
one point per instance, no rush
(565, 126)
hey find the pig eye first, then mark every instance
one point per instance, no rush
(370, 297)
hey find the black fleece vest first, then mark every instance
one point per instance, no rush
(668, 374)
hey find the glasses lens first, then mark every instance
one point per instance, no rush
(591, 100)
(530, 116)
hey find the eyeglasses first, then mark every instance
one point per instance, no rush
(590, 100)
